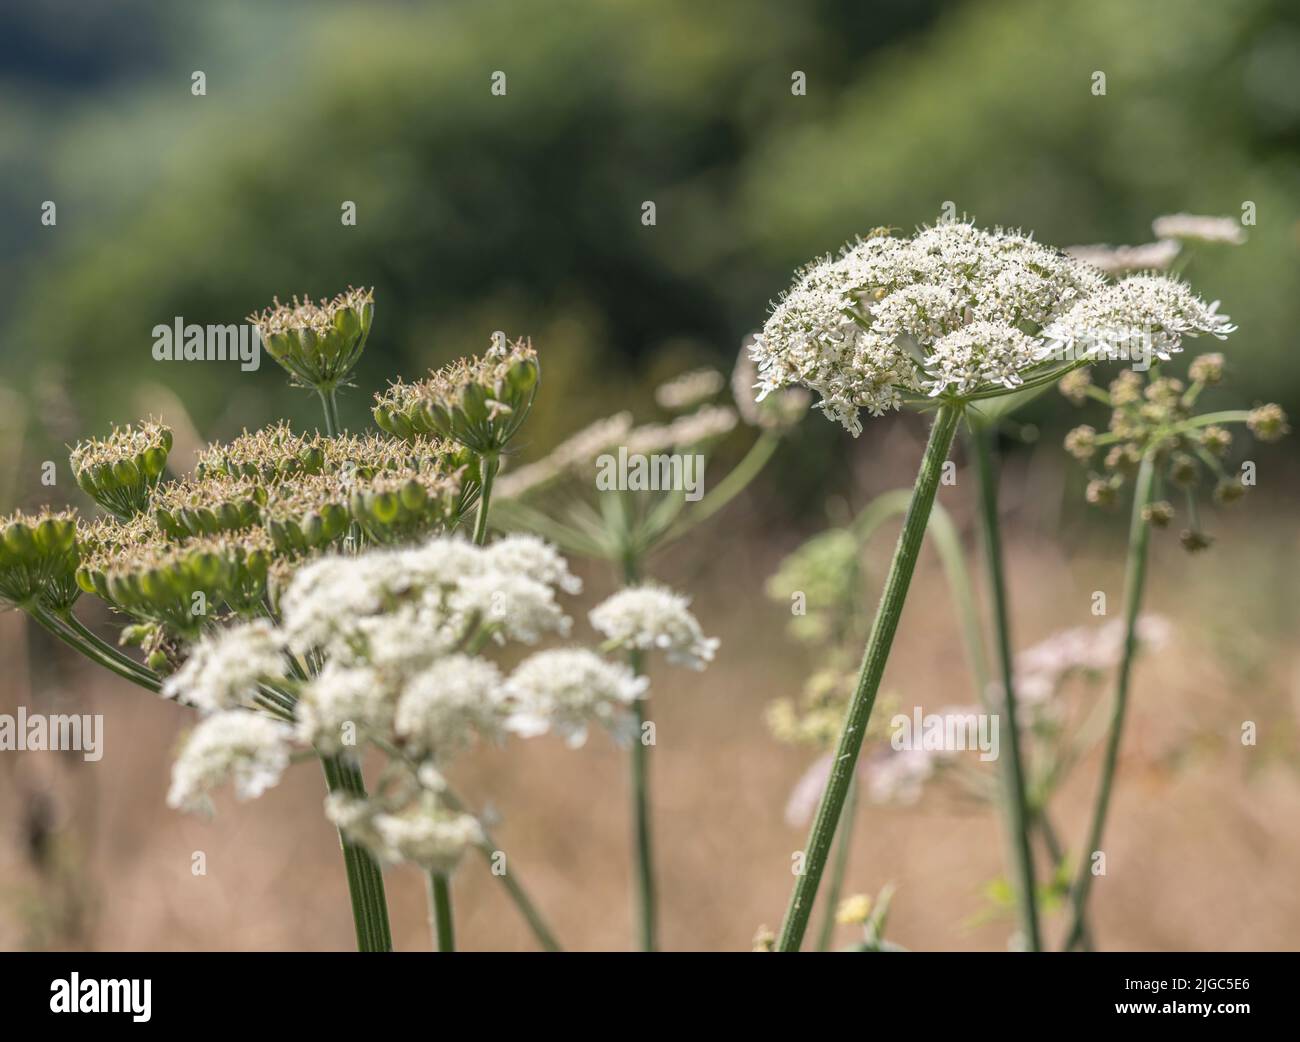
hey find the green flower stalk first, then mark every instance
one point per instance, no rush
(121, 471)
(874, 658)
(1016, 802)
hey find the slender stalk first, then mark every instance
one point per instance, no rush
(646, 910)
(105, 649)
(874, 658)
(70, 638)
(843, 847)
(330, 405)
(1056, 854)
(1013, 770)
(489, 465)
(366, 939)
(365, 881)
(525, 905)
(1135, 571)
(646, 896)
(440, 921)
(513, 887)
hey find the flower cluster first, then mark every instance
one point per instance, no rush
(959, 312)
(119, 472)
(477, 402)
(318, 344)
(389, 649)
(649, 617)
(1155, 416)
(38, 559)
(690, 389)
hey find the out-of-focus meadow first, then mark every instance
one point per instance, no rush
(522, 212)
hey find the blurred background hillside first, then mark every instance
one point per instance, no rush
(523, 213)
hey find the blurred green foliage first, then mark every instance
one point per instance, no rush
(523, 212)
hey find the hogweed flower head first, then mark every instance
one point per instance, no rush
(182, 586)
(651, 617)
(207, 506)
(249, 750)
(690, 389)
(1190, 227)
(565, 690)
(1115, 260)
(268, 454)
(444, 708)
(318, 344)
(479, 402)
(422, 832)
(39, 555)
(959, 313)
(120, 472)
(225, 667)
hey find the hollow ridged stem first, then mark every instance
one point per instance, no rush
(874, 658)
(1135, 570)
(489, 466)
(365, 881)
(843, 847)
(440, 921)
(641, 830)
(646, 909)
(330, 406)
(1013, 771)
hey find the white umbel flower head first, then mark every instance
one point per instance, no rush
(652, 617)
(514, 606)
(1114, 260)
(564, 690)
(245, 748)
(343, 706)
(532, 557)
(224, 667)
(423, 833)
(1196, 228)
(955, 311)
(689, 389)
(443, 709)
(326, 597)
(1140, 316)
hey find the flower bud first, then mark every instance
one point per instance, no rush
(1228, 491)
(1158, 514)
(1081, 443)
(1207, 369)
(1216, 440)
(1074, 385)
(1268, 423)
